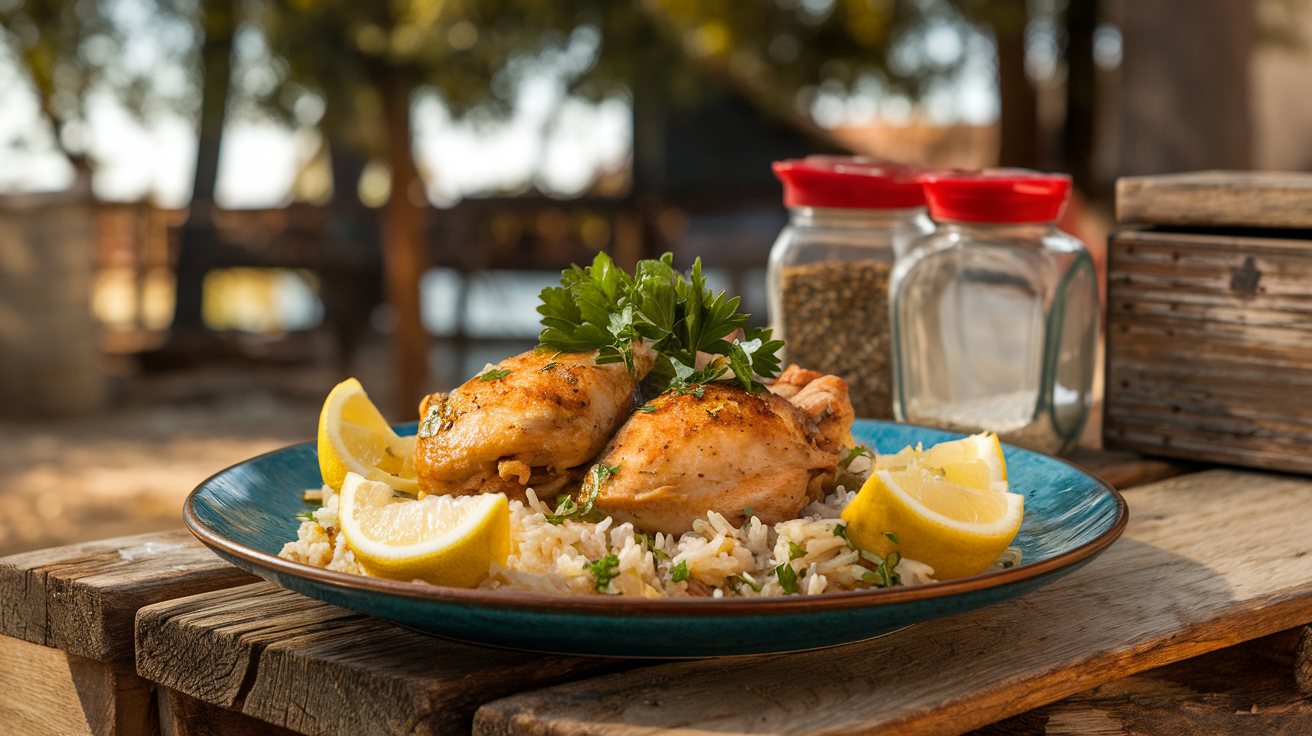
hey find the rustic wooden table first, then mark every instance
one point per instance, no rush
(1191, 624)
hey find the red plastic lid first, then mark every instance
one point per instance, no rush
(996, 195)
(848, 182)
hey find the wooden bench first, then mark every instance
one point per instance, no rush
(1193, 616)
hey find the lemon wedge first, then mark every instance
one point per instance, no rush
(974, 461)
(956, 529)
(354, 438)
(443, 540)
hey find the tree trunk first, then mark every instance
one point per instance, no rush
(1019, 118)
(1184, 85)
(404, 252)
(196, 241)
(1081, 84)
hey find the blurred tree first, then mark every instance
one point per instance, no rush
(69, 49)
(366, 61)
(218, 21)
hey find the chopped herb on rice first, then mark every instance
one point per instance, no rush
(578, 552)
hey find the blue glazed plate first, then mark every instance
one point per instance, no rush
(248, 511)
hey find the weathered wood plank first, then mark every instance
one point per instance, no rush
(1244, 690)
(83, 598)
(1209, 560)
(1209, 348)
(318, 669)
(1217, 198)
(1303, 662)
(183, 715)
(44, 691)
(1124, 469)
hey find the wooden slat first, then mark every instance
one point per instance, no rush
(1217, 198)
(183, 715)
(318, 669)
(1209, 560)
(1244, 690)
(1209, 348)
(46, 692)
(1124, 469)
(83, 598)
(1303, 662)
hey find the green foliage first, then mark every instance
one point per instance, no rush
(69, 48)
(601, 308)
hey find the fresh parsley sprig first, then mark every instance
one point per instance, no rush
(603, 571)
(603, 309)
(568, 508)
(590, 311)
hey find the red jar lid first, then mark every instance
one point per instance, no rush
(996, 195)
(847, 182)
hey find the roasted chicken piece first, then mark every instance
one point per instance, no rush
(823, 399)
(532, 421)
(726, 451)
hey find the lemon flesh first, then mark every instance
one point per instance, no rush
(355, 438)
(956, 529)
(443, 540)
(974, 461)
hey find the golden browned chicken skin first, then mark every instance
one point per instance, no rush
(534, 426)
(725, 451)
(823, 399)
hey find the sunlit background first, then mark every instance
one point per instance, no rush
(200, 200)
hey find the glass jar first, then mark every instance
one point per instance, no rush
(829, 269)
(996, 314)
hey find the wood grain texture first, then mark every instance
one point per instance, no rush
(83, 598)
(1243, 690)
(1217, 199)
(44, 691)
(183, 715)
(318, 669)
(1124, 469)
(1209, 349)
(1303, 662)
(1208, 560)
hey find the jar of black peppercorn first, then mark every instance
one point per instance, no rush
(829, 269)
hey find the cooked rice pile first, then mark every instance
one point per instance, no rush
(719, 559)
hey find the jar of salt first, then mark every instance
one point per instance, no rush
(829, 269)
(995, 315)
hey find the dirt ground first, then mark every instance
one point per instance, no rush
(128, 468)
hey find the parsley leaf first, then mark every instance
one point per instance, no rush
(787, 578)
(840, 530)
(494, 375)
(892, 537)
(603, 309)
(680, 572)
(568, 508)
(744, 578)
(649, 543)
(306, 516)
(603, 571)
(854, 453)
(590, 311)
(649, 408)
(795, 551)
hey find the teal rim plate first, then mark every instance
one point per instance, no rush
(247, 512)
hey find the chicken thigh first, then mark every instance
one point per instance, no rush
(824, 400)
(531, 421)
(726, 451)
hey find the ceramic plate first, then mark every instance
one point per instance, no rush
(248, 511)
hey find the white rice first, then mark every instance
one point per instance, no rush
(720, 560)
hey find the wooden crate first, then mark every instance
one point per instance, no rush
(1209, 331)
